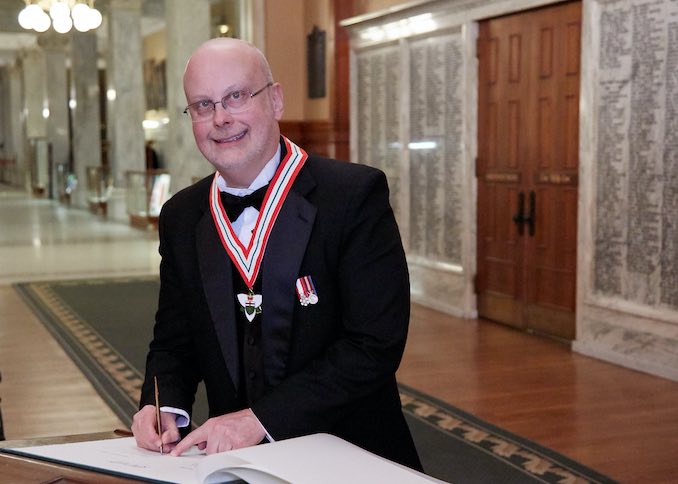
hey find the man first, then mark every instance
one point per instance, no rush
(295, 313)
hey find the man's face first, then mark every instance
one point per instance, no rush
(237, 144)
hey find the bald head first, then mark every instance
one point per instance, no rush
(226, 45)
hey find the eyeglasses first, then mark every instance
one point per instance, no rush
(234, 102)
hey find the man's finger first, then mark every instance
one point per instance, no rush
(170, 436)
(143, 428)
(189, 441)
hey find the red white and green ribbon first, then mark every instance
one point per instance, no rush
(248, 259)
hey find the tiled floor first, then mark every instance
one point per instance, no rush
(42, 239)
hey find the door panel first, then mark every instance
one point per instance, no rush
(527, 166)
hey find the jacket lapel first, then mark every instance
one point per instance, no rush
(280, 268)
(215, 271)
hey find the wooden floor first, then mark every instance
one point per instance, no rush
(617, 421)
(43, 392)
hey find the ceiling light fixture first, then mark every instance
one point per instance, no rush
(62, 15)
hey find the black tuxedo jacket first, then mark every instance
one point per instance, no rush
(328, 367)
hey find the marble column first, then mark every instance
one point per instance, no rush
(55, 46)
(35, 110)
(35, 101)
(188, 25)
(125, 108)
(17, 126)
(86, 113)
(4, 101)
(6, 118)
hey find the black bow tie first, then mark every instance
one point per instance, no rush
(234, 205)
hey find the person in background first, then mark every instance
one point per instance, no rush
(152, 161)
(284, 284)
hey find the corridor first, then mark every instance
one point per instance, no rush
(43, 393)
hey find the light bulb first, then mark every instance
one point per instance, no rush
(95, 18)
(81, 24)
(28, 16)
(81, 17)
(59, 10)
(80, 11)
(25, 18)
(62, 24)
(42, 22)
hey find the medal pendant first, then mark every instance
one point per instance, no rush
(251, 304)
(306, 291)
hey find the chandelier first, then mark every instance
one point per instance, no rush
(62, 15)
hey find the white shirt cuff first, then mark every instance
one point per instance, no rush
(182, 417)
(268, 436)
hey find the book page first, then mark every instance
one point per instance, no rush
(323, 458)
(303, 460)
(122, 456)
(212, 470)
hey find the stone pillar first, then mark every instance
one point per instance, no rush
(54, 46)
(86, 114)
(125, 110)
(17, 125)
(35, 100)
(35, 111)
(4, 112)
(182, 158)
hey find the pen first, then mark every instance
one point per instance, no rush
(157, 412)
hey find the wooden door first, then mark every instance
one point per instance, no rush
(527, 168)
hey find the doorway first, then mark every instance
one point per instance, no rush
(527, 168)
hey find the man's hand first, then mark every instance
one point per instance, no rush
(144, 429)
(226, 432)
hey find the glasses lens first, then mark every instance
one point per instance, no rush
(236, 100)
(201, 109)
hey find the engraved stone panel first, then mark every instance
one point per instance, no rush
(669, 241)
(636, 232)
(435, 147)
(378, 83)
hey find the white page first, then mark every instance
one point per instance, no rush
(123, 456)
(323, 458)
(310, 459)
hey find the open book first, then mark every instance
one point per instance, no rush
(310, 459)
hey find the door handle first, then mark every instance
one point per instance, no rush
(520, 219)
(531, 218)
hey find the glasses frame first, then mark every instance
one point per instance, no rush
(223, 101)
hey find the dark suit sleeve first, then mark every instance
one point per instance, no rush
(373, 301)
(171, 356)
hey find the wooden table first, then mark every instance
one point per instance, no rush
(18, 469)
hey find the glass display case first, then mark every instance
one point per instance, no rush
(99, 188)
(65, 183)
(146, 192)
(40, 153)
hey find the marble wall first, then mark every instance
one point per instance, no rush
(408, 104)
(628, 263)
(414, 102)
